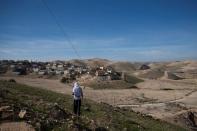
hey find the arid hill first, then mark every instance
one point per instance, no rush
(97, 62)
(123, 66)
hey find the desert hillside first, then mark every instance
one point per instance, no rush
(37, 109)
(162, 90)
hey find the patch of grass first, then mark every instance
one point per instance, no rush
(128, 83)
(114, 84)
(131, 79)
(12, 80)
(98, 116)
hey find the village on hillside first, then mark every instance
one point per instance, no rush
(63, 69)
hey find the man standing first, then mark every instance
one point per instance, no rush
(78, 95)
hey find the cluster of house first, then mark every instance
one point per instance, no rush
(19, 67)
(61, 68)
(108, 73)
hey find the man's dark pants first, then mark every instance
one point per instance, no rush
(77, 105)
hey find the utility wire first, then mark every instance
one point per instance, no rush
(61, 28)
(64, 33)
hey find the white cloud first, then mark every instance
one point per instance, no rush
(151, 52)
(116, 48)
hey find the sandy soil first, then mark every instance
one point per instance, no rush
(161, 99)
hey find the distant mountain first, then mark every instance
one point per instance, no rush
(77, 62)
(185, 69)
(97, 62)
(118, 66)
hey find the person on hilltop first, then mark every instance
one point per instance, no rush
(78, 96)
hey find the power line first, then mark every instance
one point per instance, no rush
(64, 33)
(61, 28)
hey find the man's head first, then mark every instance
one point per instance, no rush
(76, 84)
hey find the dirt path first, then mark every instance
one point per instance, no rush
(187, 96)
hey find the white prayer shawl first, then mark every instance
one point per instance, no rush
(77, 91)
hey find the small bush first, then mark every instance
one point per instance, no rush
(167, 89)
(134, 87)
(12, 80)
(64, 80)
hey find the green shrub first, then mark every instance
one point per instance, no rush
(64, 80)
(12, 80)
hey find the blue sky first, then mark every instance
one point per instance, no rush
(131, 30)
